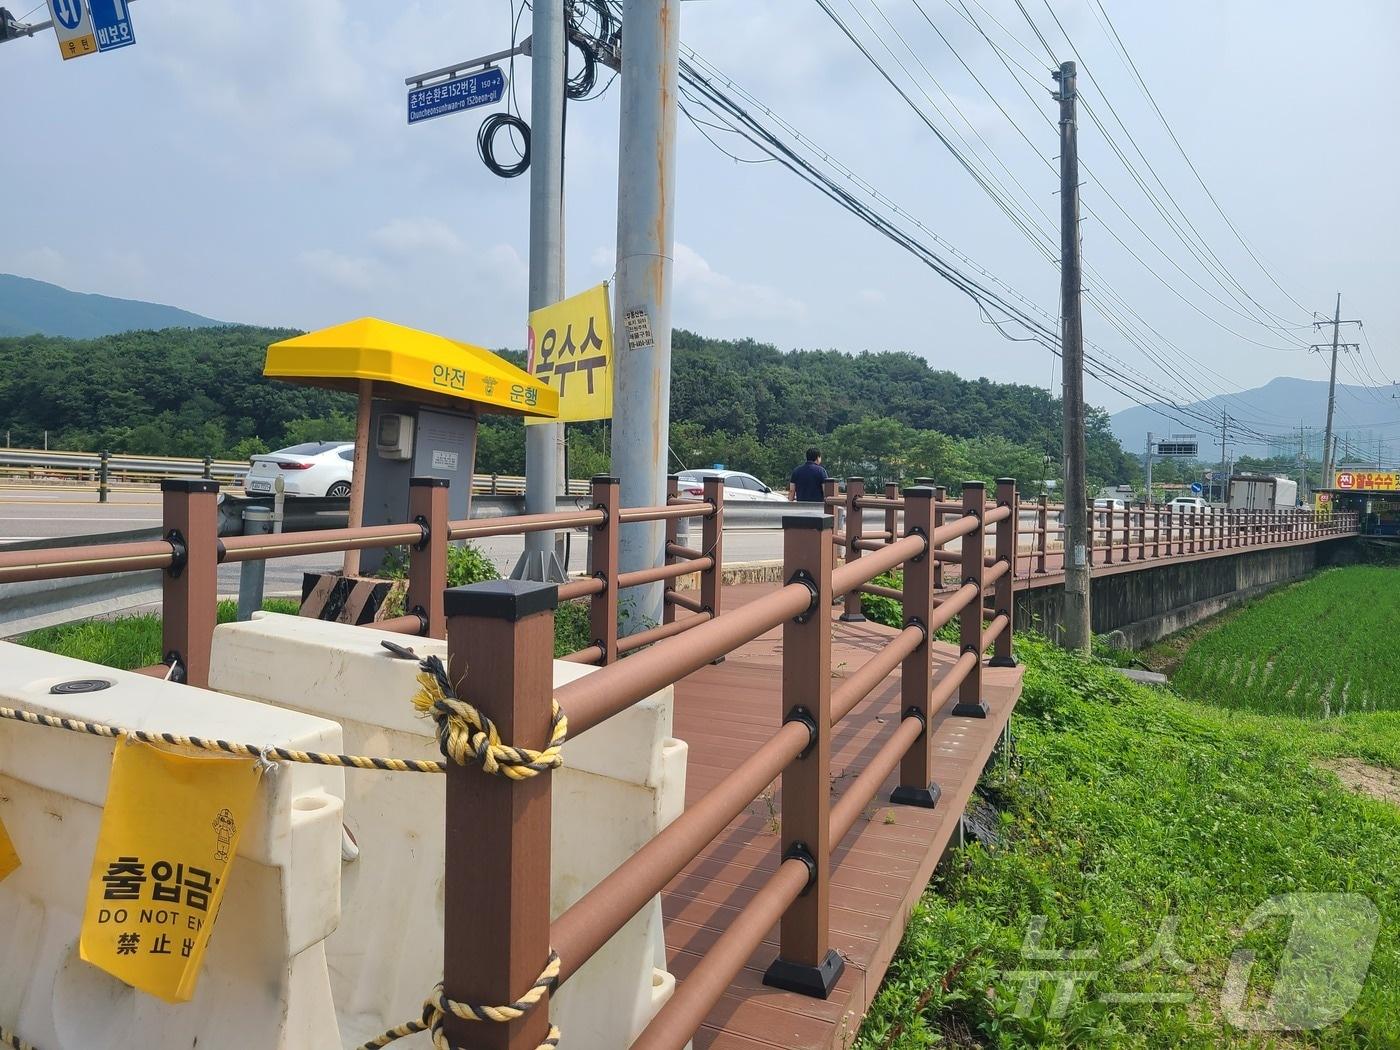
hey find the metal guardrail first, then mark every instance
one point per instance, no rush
(30, 605)
(80, 467)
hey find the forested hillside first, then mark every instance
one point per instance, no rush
(741, 403)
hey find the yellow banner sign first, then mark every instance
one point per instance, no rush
(570, 349)
(1368, 480)
(169, 832)
(9, 859)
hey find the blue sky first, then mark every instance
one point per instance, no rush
(250, 161)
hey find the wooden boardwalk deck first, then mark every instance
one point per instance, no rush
(880, 869)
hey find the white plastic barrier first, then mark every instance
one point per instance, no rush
(264, 981)
(620, 784)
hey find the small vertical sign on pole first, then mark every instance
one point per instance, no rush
(72, 25)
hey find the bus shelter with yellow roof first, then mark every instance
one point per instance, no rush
(420, 396)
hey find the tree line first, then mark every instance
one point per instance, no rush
(886, 416)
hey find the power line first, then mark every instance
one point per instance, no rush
(1186, 157)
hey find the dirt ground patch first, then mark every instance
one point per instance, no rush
(1374, 781)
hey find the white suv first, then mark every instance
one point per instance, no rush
(1186, 504)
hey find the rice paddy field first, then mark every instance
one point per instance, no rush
(1325, 647)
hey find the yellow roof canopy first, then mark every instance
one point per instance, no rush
(411, 365)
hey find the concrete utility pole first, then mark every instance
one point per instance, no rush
(1329, 459)
(1224, 422)
(646, 205)
(543, 441)
(1148, 461)
(1077, 633)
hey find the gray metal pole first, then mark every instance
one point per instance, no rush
(1078, 539)
(646, 201)
(542, 442)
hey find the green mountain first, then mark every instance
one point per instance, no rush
(882, 416)
(30, 307)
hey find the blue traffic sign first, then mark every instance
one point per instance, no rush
(482, 88)
(67, 13)
(112, 21)
(1196, 488)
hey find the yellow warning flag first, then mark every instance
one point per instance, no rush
(9, 859)
(169, 833)
(570, 349)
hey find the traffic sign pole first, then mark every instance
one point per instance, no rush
(543, 442)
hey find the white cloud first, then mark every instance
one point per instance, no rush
(417, 237)
(707, 295)
(343, 271)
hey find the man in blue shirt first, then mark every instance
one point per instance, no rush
(805, 485)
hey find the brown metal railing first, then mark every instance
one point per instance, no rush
(191, 552)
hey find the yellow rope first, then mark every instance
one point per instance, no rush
(270, 754)
(437, 1006)
(465, 733)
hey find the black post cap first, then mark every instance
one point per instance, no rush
(428, 483)
(974, 484)
(1006, 481)
(808, 521)
(919, 492)
(188, 485)
(511, 600)
(607, 479)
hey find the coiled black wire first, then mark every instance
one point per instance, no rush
(486, 144)
(588, 40)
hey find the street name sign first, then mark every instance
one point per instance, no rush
(73, 27)
(112, 21)
(482, 88)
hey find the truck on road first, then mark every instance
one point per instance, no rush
(1262, 492)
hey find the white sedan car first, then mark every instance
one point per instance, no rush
(316, 468)
(738, 486)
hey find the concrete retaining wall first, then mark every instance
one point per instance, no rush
(1150, 603)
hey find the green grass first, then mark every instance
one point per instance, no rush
(124, 642)
(128, 642)
(1129, 807)
(1323, 647)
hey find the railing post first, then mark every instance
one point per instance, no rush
(1142, 533)
(102, 487)
(1156, 531)
(1004, 594)
(208, 468)
(1042, 523)
(496, 873)
(806, 962)
(427, 559)
(855, 526)
(916, 784)
(891, 514)
(712, 545)
(190, 588)
(1108, 535)
(831, 492)
(603, 565)
(974, 546)
(673, 533)
(940, 494)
